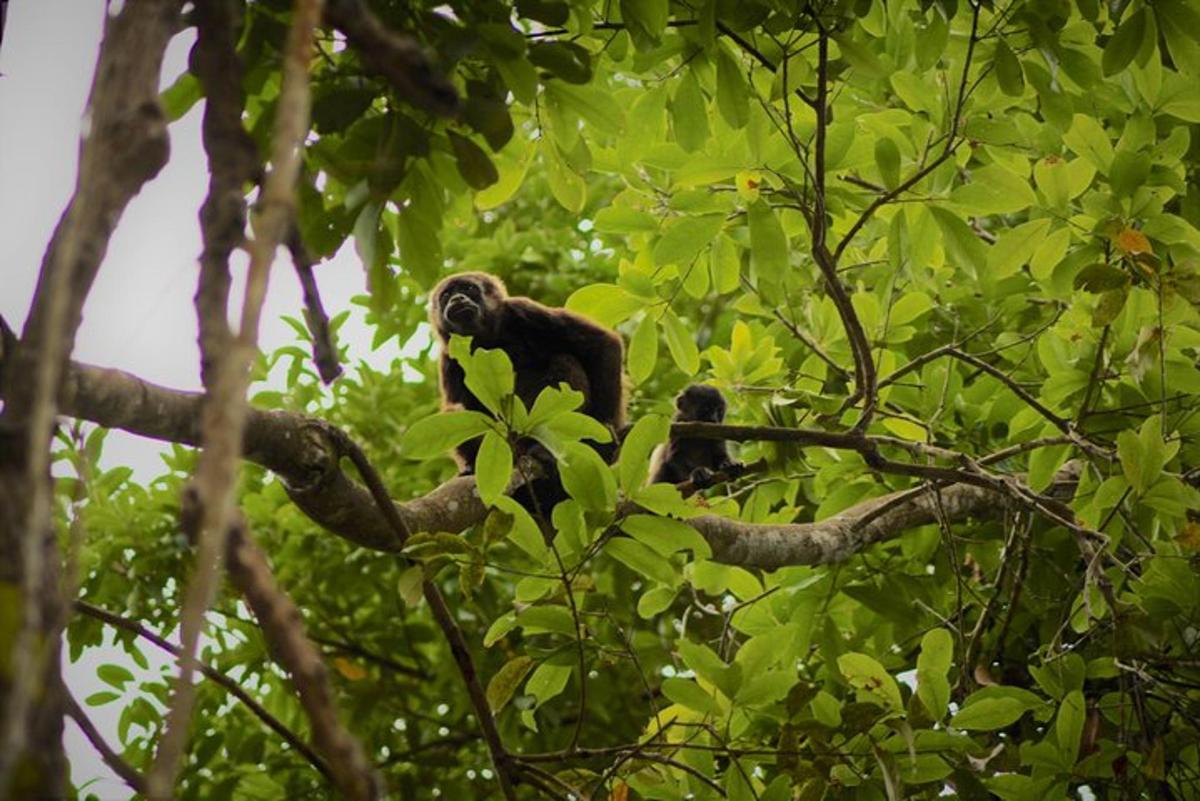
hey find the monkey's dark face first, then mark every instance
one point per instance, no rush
(700, 403)
(467, 304)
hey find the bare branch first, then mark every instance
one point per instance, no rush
(111, 758)
(224, 413)
(284, 630)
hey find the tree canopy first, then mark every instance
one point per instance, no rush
(942, 258)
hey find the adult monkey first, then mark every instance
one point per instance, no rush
(547, 346)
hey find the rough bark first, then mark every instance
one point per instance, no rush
(304, 452)
(124, 144)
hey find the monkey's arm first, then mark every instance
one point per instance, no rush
(599, 351)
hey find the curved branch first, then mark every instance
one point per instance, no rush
(305, 453)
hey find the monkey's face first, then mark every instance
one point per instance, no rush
(701, 404)
(465, 305)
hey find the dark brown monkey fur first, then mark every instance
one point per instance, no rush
(695, 460)
(547, 346)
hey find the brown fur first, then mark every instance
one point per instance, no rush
(546, 345)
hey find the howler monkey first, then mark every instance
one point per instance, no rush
(695, 460)
(547, 346)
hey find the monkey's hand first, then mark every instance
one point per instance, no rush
(731, 469)
(702, 478)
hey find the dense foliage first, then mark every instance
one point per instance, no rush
(1007, 194)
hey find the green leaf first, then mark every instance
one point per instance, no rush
(1087, 138)
(733, 93)
(553, 401)
(643, 560)
(566, 60)
(489, 373)
(178, 98)
(654, 601)
(547, 681)
(725, 264)
(1068, 727)
(962, 244)
(473, 164)
(586, 477)
(493, 467)
(937, 652)
(114, 675)
(994, 190)
(701, 660)
(989, 714)
(871, 680)
(908, 308)
(508, 678)
(547, 620)
(1129, 172)
(633, 465)
(1124, 44)
(681, 344)
(442, 432)
(624, 220)
(1100, 278)
(690, 694)
(412, 585)
(1008, 71)
(887, 159)
(607, 304)
(567, 186)
(646, 21)
(768, 243)
(684, 239)
(420, 247)
(594, 106)
(500, 627)
(689, 114)
(665, 535)
(101, 698)
(1109, 307)
(765, 687)
(643, 350)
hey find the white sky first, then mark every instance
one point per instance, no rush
(139, 315)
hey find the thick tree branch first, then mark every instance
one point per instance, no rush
(124, 144)
(305, 453)
(284, 630)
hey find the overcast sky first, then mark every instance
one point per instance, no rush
(139, 314)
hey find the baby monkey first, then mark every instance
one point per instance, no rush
(695, 460)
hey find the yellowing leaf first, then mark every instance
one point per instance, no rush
(1189, 537)
(1132, 241)
(349, 670)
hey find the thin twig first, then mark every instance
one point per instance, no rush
(111, 758)
(232, 687)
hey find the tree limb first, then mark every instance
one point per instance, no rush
(398, 58)
(124, 145)
(284, 630)
(305, 453)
